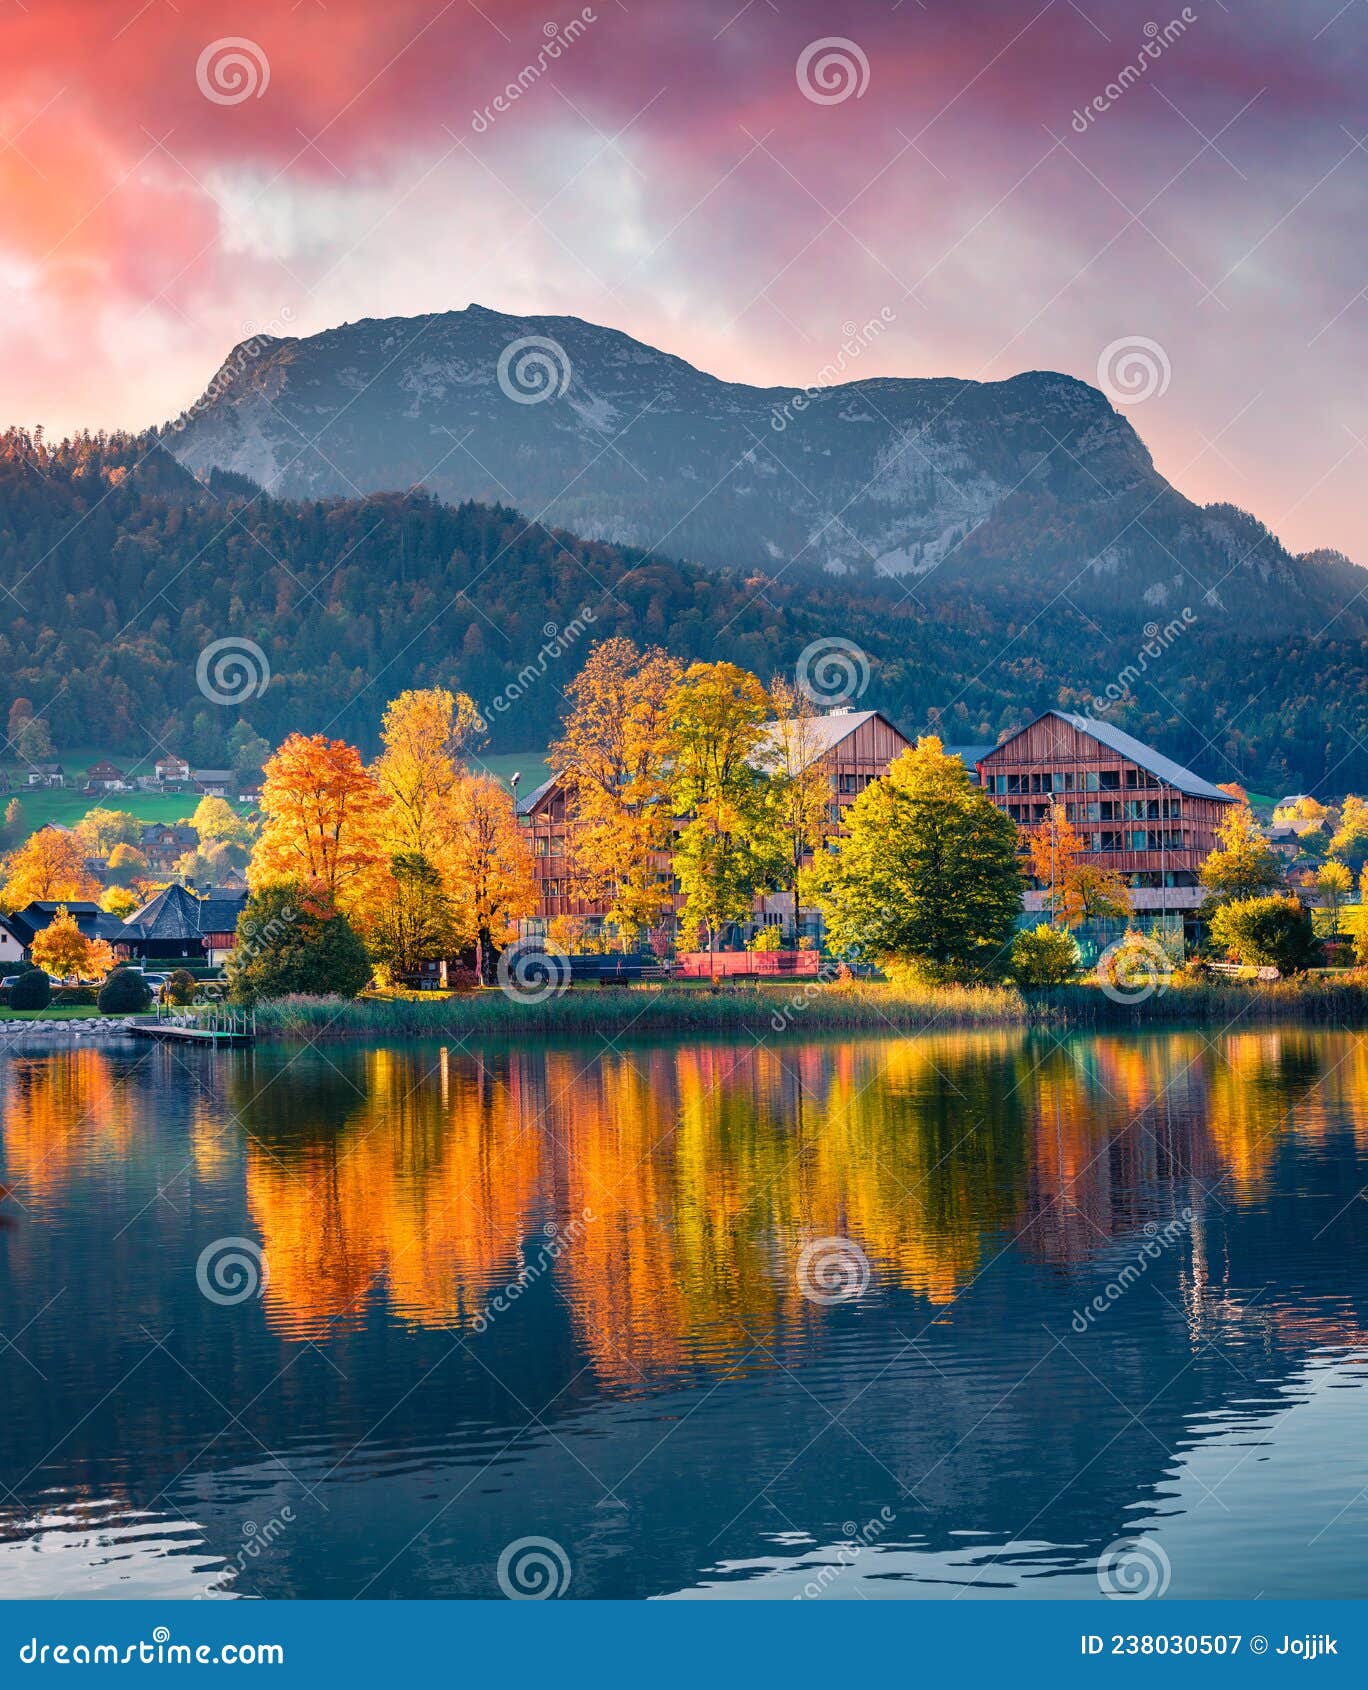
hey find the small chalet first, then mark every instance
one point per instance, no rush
(46, 774)
(213, 783)
(178, 925)
(106, 777)
(171, 768)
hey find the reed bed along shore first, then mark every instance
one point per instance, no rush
(587, 1012)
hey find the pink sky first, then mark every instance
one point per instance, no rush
(666, 174)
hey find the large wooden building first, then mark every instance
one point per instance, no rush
(1139, 812)
(853, 746)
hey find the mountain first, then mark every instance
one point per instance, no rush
(1005, 493)
(119, 571)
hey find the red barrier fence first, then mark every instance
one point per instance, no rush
(731, 965)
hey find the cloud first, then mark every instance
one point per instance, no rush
(663, 171)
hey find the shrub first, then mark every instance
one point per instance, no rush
(182, 986)
(1267, 933)
(461, 979)
(1046, 956)
(32, 990)
(765, 939)
(124, 993)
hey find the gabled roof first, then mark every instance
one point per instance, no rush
(176, 913)
(823, 733)
(1135, 751)
(36, 917)
(529, 803)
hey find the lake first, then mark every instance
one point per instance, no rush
(983, 1315)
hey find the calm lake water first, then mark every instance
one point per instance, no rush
(1098, 1292)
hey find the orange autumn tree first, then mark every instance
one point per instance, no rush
(490, 867)
(1077, 890)
(322, 820)
(49, 865)
(62, 949)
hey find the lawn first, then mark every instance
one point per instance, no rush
(40, 806)
(64, 1012)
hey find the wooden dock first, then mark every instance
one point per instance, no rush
(215, 1026)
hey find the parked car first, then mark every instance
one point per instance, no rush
(13, 980)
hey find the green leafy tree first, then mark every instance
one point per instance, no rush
(728, 848)
(928, 875)
(414, 920)
(290, 938)
(1243, 865)
(1045, 956)
(1267, 933)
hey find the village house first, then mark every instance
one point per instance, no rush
(164, 843)
(11, 945)
(853, 747)
(105, 777)
(36, 917)
(213, 783)
(46, 774)
(1139, 812)
(170, 768)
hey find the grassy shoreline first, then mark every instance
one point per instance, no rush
(789, 1008)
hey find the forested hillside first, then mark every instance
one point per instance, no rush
(118, 568)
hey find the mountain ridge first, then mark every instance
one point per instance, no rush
(937, 487)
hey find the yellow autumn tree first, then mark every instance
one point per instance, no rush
(1078, 890)
(49, 865)
(425, 735)
(614, 756)
(323, 816)
(489, 868)
(63, 950)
